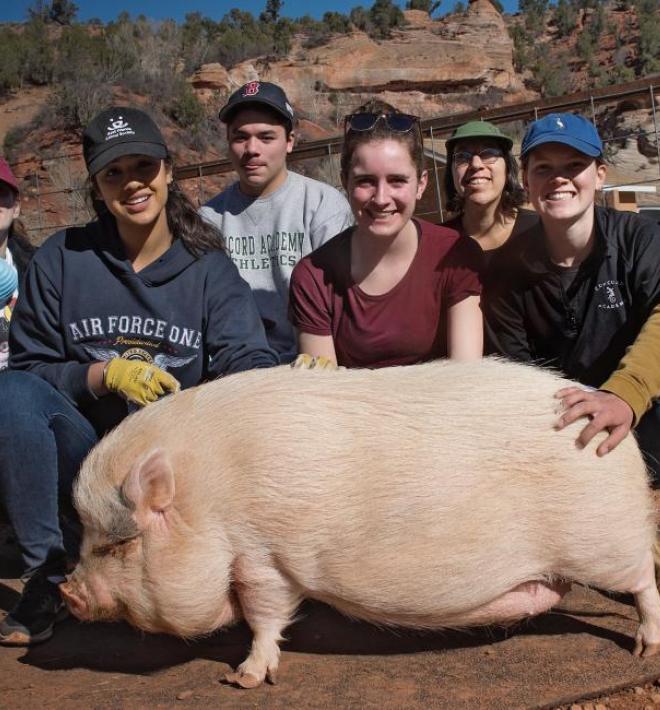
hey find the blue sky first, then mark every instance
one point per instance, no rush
(16, 10)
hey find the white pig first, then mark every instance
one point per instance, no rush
(430, 496)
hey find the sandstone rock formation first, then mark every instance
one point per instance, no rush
(459, 63)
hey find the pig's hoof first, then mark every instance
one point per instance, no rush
(243, 680)
(646, 649)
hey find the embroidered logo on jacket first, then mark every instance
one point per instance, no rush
(608, 295)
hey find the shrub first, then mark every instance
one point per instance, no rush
(384, 16)
(76, 101)
(185, 109)
(11, 60)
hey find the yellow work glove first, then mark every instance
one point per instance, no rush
(138, 381)
(305, 361)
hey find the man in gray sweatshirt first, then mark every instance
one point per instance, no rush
(271, 217)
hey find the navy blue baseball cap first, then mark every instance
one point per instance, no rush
(119, 131)
(258, 92)
(567, 128)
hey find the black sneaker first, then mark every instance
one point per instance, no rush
(32, 619)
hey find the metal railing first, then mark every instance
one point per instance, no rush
(623, 114)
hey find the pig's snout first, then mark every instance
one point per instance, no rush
(75, 601)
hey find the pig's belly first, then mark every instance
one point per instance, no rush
(523, 601)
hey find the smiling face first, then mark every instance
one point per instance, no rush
(562, 182)
(383, 187)
(258, 146)
(134, 188)
(481, 180)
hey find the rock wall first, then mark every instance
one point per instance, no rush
(429, 67)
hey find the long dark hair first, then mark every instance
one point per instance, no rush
(513, 194)
(183, 219)
(411, 139)
(186, 224)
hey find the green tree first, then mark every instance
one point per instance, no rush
(282, 32)
(63, 11)
(648, 20)
(272, 10)
(38, 59)
(12, 48)
(522, 47)
(185, 108)
(336, 22)
(565, 17)
(385, 15)
(533, 13)
(585, 46)
(553, 78)
(197, 35)
(359, 18)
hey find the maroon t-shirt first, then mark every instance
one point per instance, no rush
(401, 327)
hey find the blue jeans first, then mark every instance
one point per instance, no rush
(648, 437)
(43, 441)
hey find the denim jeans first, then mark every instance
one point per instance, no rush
(648, 437)
(43, 441)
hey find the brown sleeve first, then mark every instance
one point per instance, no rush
(636, 380)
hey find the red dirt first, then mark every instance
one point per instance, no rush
(578, 651)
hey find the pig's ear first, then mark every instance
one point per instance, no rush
(149, 487)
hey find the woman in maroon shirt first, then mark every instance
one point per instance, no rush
(392, 290)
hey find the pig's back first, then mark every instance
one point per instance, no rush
(443, 483)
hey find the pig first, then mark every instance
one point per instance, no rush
(431, 496)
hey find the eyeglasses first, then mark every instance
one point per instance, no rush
(487, 156)
(396, 122)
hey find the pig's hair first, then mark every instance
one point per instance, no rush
(105, 505)
(418, 496)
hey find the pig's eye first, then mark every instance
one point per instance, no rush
(112, 548)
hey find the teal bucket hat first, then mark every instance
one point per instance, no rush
(477, 129)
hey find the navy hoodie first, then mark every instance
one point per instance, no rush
(82, 302)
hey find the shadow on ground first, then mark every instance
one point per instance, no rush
(579, 650)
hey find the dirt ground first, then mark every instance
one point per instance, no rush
(576, 657)
(21, 107)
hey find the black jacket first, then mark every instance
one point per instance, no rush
(584, 329)
(82, 302)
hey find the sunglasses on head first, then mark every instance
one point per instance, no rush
(487, 156)
(366, 121)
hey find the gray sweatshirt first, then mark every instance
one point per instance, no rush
(267, 236)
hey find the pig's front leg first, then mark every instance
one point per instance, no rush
(268, 600)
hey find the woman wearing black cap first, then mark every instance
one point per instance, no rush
(481, 184)
(113, 315)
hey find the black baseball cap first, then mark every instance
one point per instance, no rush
(119, 131)
(258, 92)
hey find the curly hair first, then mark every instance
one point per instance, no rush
(513, 194)
(381, 131)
